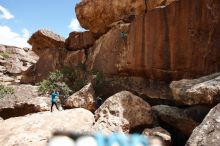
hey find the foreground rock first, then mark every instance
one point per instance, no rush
(13, 61)
(204, 90)
(158, 132)
(80, 40)
(207, 133)
(153, 47)
(85, 98)
(36, 129)
(50, 61)
(43, 39)
(122, 112)
(177, 118)
(24, 101)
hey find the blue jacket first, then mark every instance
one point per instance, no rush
(53, 97)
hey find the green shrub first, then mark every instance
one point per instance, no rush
(68, 80)
(5, 55)
(5, 91)
(55, 81)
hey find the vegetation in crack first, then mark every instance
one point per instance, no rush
(4, 91)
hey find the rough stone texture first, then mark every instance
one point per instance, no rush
(37, 128)
(175, 42)
(51, 60)
(154, 4)
(85, 98)
(80, 40)
(176, 118)
(158, 132)
(207, 133)
(98, 15)
(43, 39)
(24, 101)
(204, 90)
(122, 112)
(13, 61)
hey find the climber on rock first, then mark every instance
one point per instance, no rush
(123, 35)
(54, 95)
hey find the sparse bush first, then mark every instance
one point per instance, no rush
(5, 91)
(5, 55)
(68, 80)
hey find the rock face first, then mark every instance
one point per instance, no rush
(204, 90)
(37, 128)
(158, 132)
(177, 118)
(154, 48)
(85, 98)
(207, 133)
(97, 15)
(121, 113)
(44, 39)
(80, 40)
(52, 60)
(24, 101)
(13, 61)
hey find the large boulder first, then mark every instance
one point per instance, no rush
(153, 47)
(204, 90)
(80, 40)
(37, 128)
(122, 112)
(85, 98)
(24, 101)
(184, 120)
(207, 133)
(97, 15)
(43, 39)
(50, 61)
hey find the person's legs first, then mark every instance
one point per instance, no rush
(51, 108)
(56, 106)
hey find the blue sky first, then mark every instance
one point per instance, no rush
(20, 18)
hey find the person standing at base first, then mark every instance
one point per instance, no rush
(54, 95)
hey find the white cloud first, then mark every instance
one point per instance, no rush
(8, 37)
(75, 26)
(5, 14)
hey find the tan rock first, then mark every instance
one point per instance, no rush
(97, 15)
(37, 128)
(176, 118)
(158, 132)
(207, 133)
(50, 61)
(121, 113)
(159, 49)
(14, 61)
(80, 40)
(24, 101)
(85, 98)
(204, 90)
(44, 39)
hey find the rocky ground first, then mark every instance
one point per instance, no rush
(161, 80)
